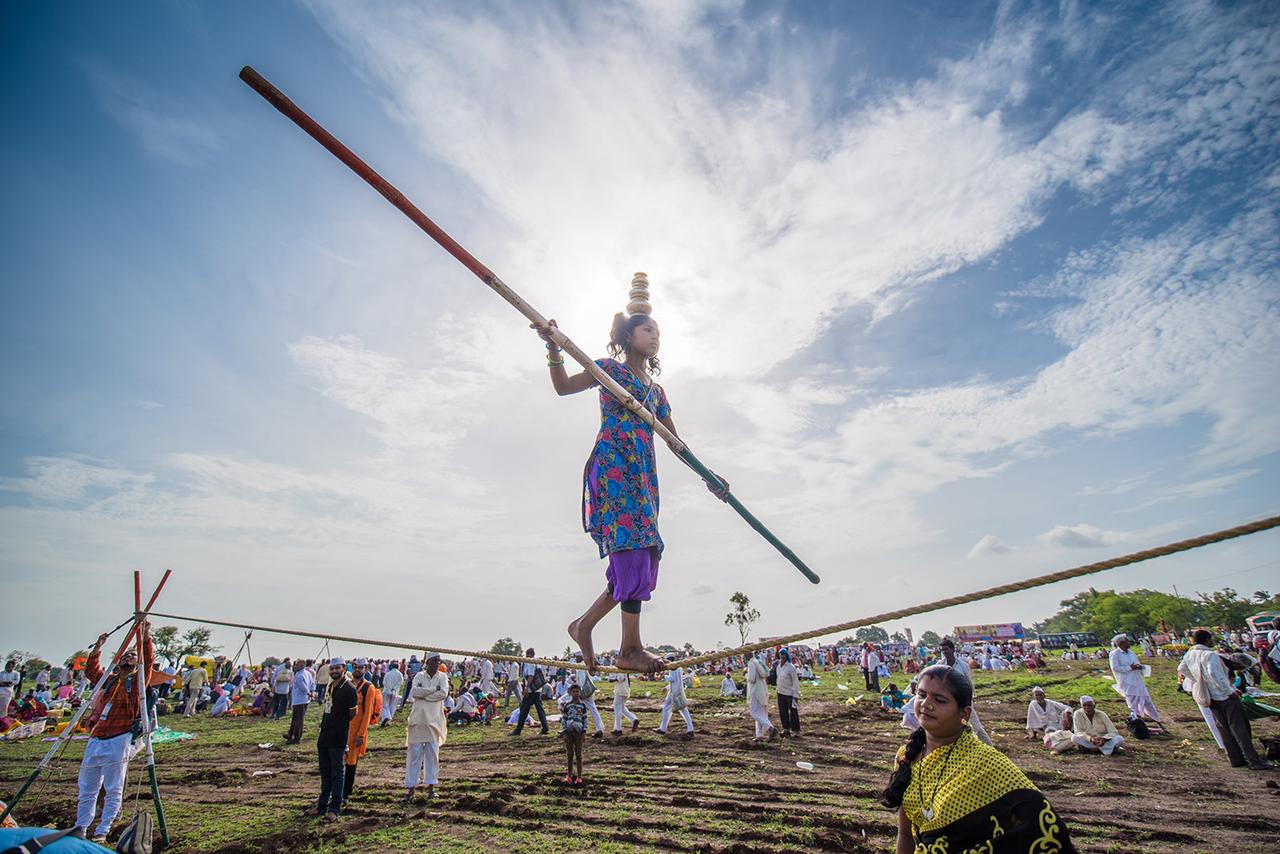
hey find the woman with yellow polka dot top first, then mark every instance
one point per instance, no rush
(956, 795)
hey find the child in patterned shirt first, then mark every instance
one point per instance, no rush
(573, 728)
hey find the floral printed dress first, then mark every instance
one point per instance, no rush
(620, 483)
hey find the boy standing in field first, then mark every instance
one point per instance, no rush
(573, 727)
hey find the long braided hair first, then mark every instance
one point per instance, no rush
(961, 690)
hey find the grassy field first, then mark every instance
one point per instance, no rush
(720, 792)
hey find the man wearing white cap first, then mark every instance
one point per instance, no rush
(1131, 684)
(1093, 730)
(427, 728)
(340, 706)
(1043, 715)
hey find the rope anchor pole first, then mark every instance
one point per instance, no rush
(335, 147)
(144, 685)
(70, 729)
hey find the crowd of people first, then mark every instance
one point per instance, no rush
(1223, 679)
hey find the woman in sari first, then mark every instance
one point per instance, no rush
(954, 793)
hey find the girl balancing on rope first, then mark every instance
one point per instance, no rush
(955, 793)
(620, 481)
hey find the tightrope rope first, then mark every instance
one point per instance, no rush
(991, 592)
(936, 605)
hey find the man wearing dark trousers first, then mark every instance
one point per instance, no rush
(339, 709)
(532, 677)
(1203, 671)
(301, 690)
(788, 694)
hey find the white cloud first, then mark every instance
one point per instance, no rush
(751, 212)
(1081, 536)
(989, 546)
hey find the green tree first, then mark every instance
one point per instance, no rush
(506, 646)
(1109, 612)
(1070, 616)
(930, 638)
(1167, 611)
(872, 634)
(898, 637)
(166, 642)
(270, 662)
(21, 658)
(743, 616)
(79, 653)
(1224, 608)
(196, 642)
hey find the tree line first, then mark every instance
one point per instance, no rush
(1106, 612)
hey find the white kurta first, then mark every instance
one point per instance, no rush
(1048, 717)
(758, 696)
(621, 693)
(392, 680)
(675, 693)
(426, 720)
(1131, 684)
(427, 730)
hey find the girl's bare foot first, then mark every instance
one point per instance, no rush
(584, 642)
(639, 661)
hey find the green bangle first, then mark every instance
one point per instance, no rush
(551, 364)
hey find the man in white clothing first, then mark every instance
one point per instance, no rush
(1130, 682)
(676, 701)
(1043, 715)
(948, 649)
(1210, 686)
(392, 682)
(871, 667)
(486, 676)
(621, 693)
(1093, 731)
(427, 730)
(758, 697)
(9, 679)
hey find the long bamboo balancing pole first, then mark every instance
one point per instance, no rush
(292, 112)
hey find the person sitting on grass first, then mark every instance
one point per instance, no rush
(1045, 716)
(1093, 731)
(892, 698)
(573, 728)
(464, 709)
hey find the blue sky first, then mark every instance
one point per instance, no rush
(952, 293)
